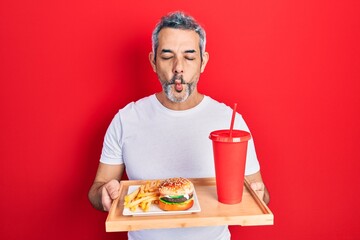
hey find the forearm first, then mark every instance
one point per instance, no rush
(106, 186)
(94, 195)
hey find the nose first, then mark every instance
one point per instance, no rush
(178, 66)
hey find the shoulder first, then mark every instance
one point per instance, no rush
(141, 105)
(216, 106)
(138, 111)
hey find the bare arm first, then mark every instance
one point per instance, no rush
(106, 186)
(258, 186)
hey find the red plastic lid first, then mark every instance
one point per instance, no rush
(224, 136)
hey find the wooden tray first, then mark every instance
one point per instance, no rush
(250, 212)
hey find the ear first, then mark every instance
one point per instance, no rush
(204, 61)
(152, 61)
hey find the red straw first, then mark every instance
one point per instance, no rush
(233, 119)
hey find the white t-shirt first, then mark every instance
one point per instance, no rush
(155, 142)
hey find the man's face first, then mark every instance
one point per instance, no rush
(178, 63)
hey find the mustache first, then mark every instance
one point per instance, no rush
(177, 77)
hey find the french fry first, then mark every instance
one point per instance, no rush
(147, 186)
(146, 206)
(131, 196)
(154, 186)
(137, 202)
(145, 195)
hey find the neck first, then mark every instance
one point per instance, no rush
(193, 100)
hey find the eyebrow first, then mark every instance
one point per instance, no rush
(170, 51)
(166, 51)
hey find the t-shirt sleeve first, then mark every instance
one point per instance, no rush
(112, 150)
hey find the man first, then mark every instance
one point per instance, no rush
(166, 134)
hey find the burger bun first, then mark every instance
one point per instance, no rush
(176, 207)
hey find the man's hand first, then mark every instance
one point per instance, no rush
(257, 184)
(259, 188)
(109, 192)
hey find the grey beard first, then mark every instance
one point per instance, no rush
(172, 97)
(188, 89)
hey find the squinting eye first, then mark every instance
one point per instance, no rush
(166, 58)
(190, 58)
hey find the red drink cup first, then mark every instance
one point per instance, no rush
(230, 159)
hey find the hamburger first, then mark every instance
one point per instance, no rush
(176, 194)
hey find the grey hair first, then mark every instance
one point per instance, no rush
(178, 20)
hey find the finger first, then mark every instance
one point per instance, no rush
(260, 194)
(112, 188)
(257, 186)
(105, 199)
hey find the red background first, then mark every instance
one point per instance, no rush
(67, 67)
